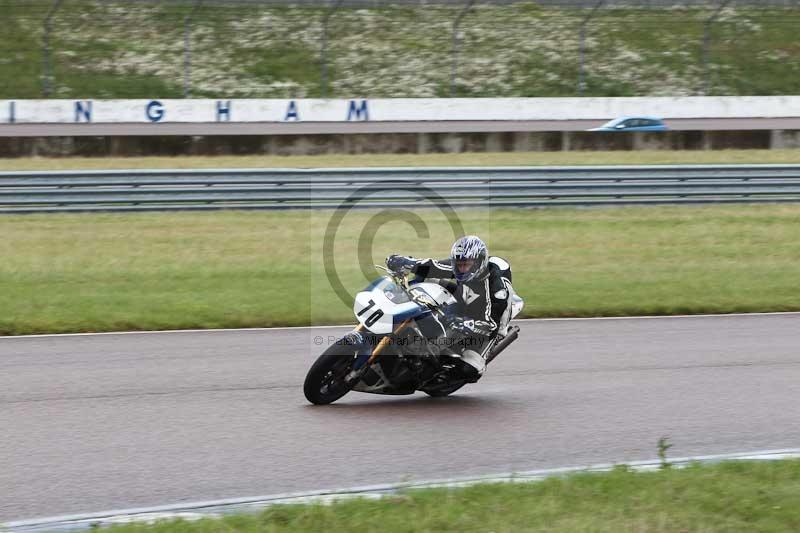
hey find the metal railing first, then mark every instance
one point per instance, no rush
(186, 190)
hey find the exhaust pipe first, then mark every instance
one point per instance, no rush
(503, 344)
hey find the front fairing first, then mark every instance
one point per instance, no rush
(383, 305)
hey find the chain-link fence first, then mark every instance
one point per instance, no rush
(397, 48)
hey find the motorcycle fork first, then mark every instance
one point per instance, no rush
(385, 341)
(356, 374)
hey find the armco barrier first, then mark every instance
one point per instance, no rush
(163, 190)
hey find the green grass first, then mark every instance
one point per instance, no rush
(639, 157)
(68, 273)
(730, 497)
(115, 49)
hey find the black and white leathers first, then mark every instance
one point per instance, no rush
(483, 300)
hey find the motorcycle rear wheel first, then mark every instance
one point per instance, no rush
(324, 382)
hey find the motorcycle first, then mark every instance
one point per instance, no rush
(396, 348)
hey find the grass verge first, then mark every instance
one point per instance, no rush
(639, 157)
(108, 272)
(733, 496)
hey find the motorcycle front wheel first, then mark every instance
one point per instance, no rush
(325, 379)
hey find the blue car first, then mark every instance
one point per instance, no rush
(633, 124)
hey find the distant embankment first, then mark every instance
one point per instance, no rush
(314, 126)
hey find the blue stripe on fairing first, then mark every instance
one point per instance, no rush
(404, 308)
(416, 312)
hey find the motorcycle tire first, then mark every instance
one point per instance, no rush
(324, 382)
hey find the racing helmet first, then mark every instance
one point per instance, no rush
(469, 257)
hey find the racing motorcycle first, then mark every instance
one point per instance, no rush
(397, 346)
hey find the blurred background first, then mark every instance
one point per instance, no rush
(397, 48)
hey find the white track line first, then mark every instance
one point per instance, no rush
(300, 328)
(205, 509)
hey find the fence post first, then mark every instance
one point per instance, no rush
(47, 69)
(187, 50)
(707, 44)
(456, 42)
(323, 53)
(584, 22)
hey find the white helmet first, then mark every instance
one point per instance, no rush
(469, 257)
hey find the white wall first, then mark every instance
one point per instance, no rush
(401, 109)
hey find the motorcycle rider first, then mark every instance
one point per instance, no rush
(481, 285)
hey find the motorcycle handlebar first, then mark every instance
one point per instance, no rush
(402, 280)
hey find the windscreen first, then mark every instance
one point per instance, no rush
(390, 289)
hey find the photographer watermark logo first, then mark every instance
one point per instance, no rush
(404, 193)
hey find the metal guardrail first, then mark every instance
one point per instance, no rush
(184, 190)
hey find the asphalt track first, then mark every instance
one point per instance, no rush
(91, 423)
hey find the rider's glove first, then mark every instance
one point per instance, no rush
(400, 264)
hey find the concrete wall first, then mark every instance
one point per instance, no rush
(393, 143)
(391, 110)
